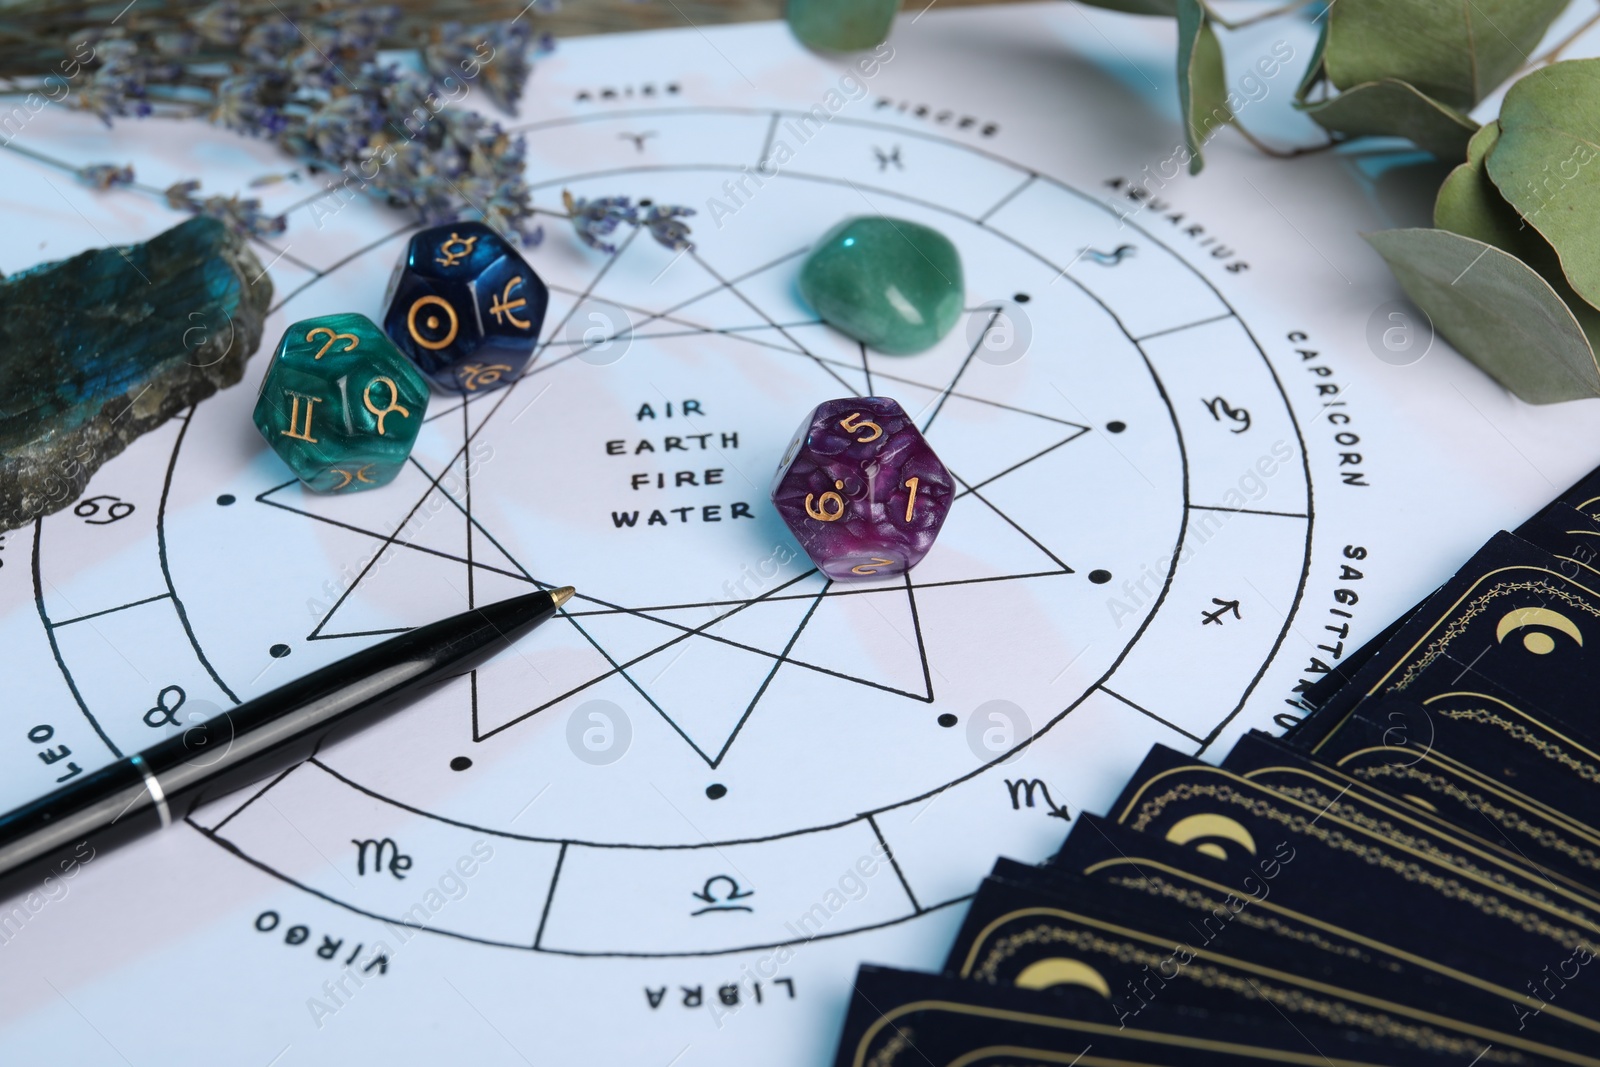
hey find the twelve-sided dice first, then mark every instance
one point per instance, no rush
(465, 307)
(340, 405)
(861, 490)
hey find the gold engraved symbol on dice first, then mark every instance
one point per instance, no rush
(432, 322)
(821, 511)
(359, 475)
(392, 407)
(474, 375)
(853, 422)
(447, 258)
(505, 305)
(294, 417)
(871, 568)
(332, 338)
(911, 501)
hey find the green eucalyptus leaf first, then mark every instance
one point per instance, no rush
(1315, 71)
(1497, 311)
(1455, 51)
(1545, 164)
(1469, 204)
(1391, 108)
(1202, 83)
(1168, 8)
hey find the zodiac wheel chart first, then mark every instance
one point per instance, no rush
(712, 734)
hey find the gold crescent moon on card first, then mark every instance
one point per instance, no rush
(1538, 643)
(1045, 974)
(1208, 824)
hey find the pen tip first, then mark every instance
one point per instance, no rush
(562, 595)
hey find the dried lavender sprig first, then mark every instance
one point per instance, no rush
(598, 218)
(318, 88)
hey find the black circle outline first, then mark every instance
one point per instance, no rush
(777, 115)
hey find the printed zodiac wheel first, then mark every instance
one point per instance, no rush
(689, 760)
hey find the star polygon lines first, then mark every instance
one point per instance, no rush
(661, 651)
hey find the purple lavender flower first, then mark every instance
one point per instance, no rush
(242, 215)
(597, 219)
(309, 76)
(666, 225)
(180, 195)
(104, 176)
(494, 57)
(219, 22)
(269, 43)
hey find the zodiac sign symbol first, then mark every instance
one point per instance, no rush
(386, 855)
(505, 305)
(1540, 644)
(164, 714)
(1109, 259)
(394, 401)
(638, 139)
(332, 337)
(360, 475)
(1220, 409)
(820, 510)
(1207, 824)
(117, 510)
(1223, 607)
(893, 156)
(474, 375)
(447, 258)
(722, 902)
(294, 417)
(871, 568)
(431, 322)
(1022, 790)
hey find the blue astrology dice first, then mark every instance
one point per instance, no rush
(465, 307)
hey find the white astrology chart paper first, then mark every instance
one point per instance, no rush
(665, 827)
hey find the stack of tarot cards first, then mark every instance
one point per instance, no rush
(1410, 876)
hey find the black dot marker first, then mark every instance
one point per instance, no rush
(716, 790)
(1116, 426)
(278, 651)
(1099, 577)
(460, 763)
(1021, 298)
(225, 499)
(947, 720)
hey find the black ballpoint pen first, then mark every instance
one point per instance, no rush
(255, 740)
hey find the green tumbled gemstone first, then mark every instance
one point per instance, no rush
(841, 25)
(891, 284)
(340, 404)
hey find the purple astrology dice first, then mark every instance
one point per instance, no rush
(861, 490)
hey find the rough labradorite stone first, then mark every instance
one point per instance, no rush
(103, 347)
(841, 25)
(340, 405)
(892, 284)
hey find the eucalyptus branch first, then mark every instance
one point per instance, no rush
(1284, 153)
(1251, 20)
(1554, 52)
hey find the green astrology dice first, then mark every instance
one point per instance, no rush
(340, 405)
